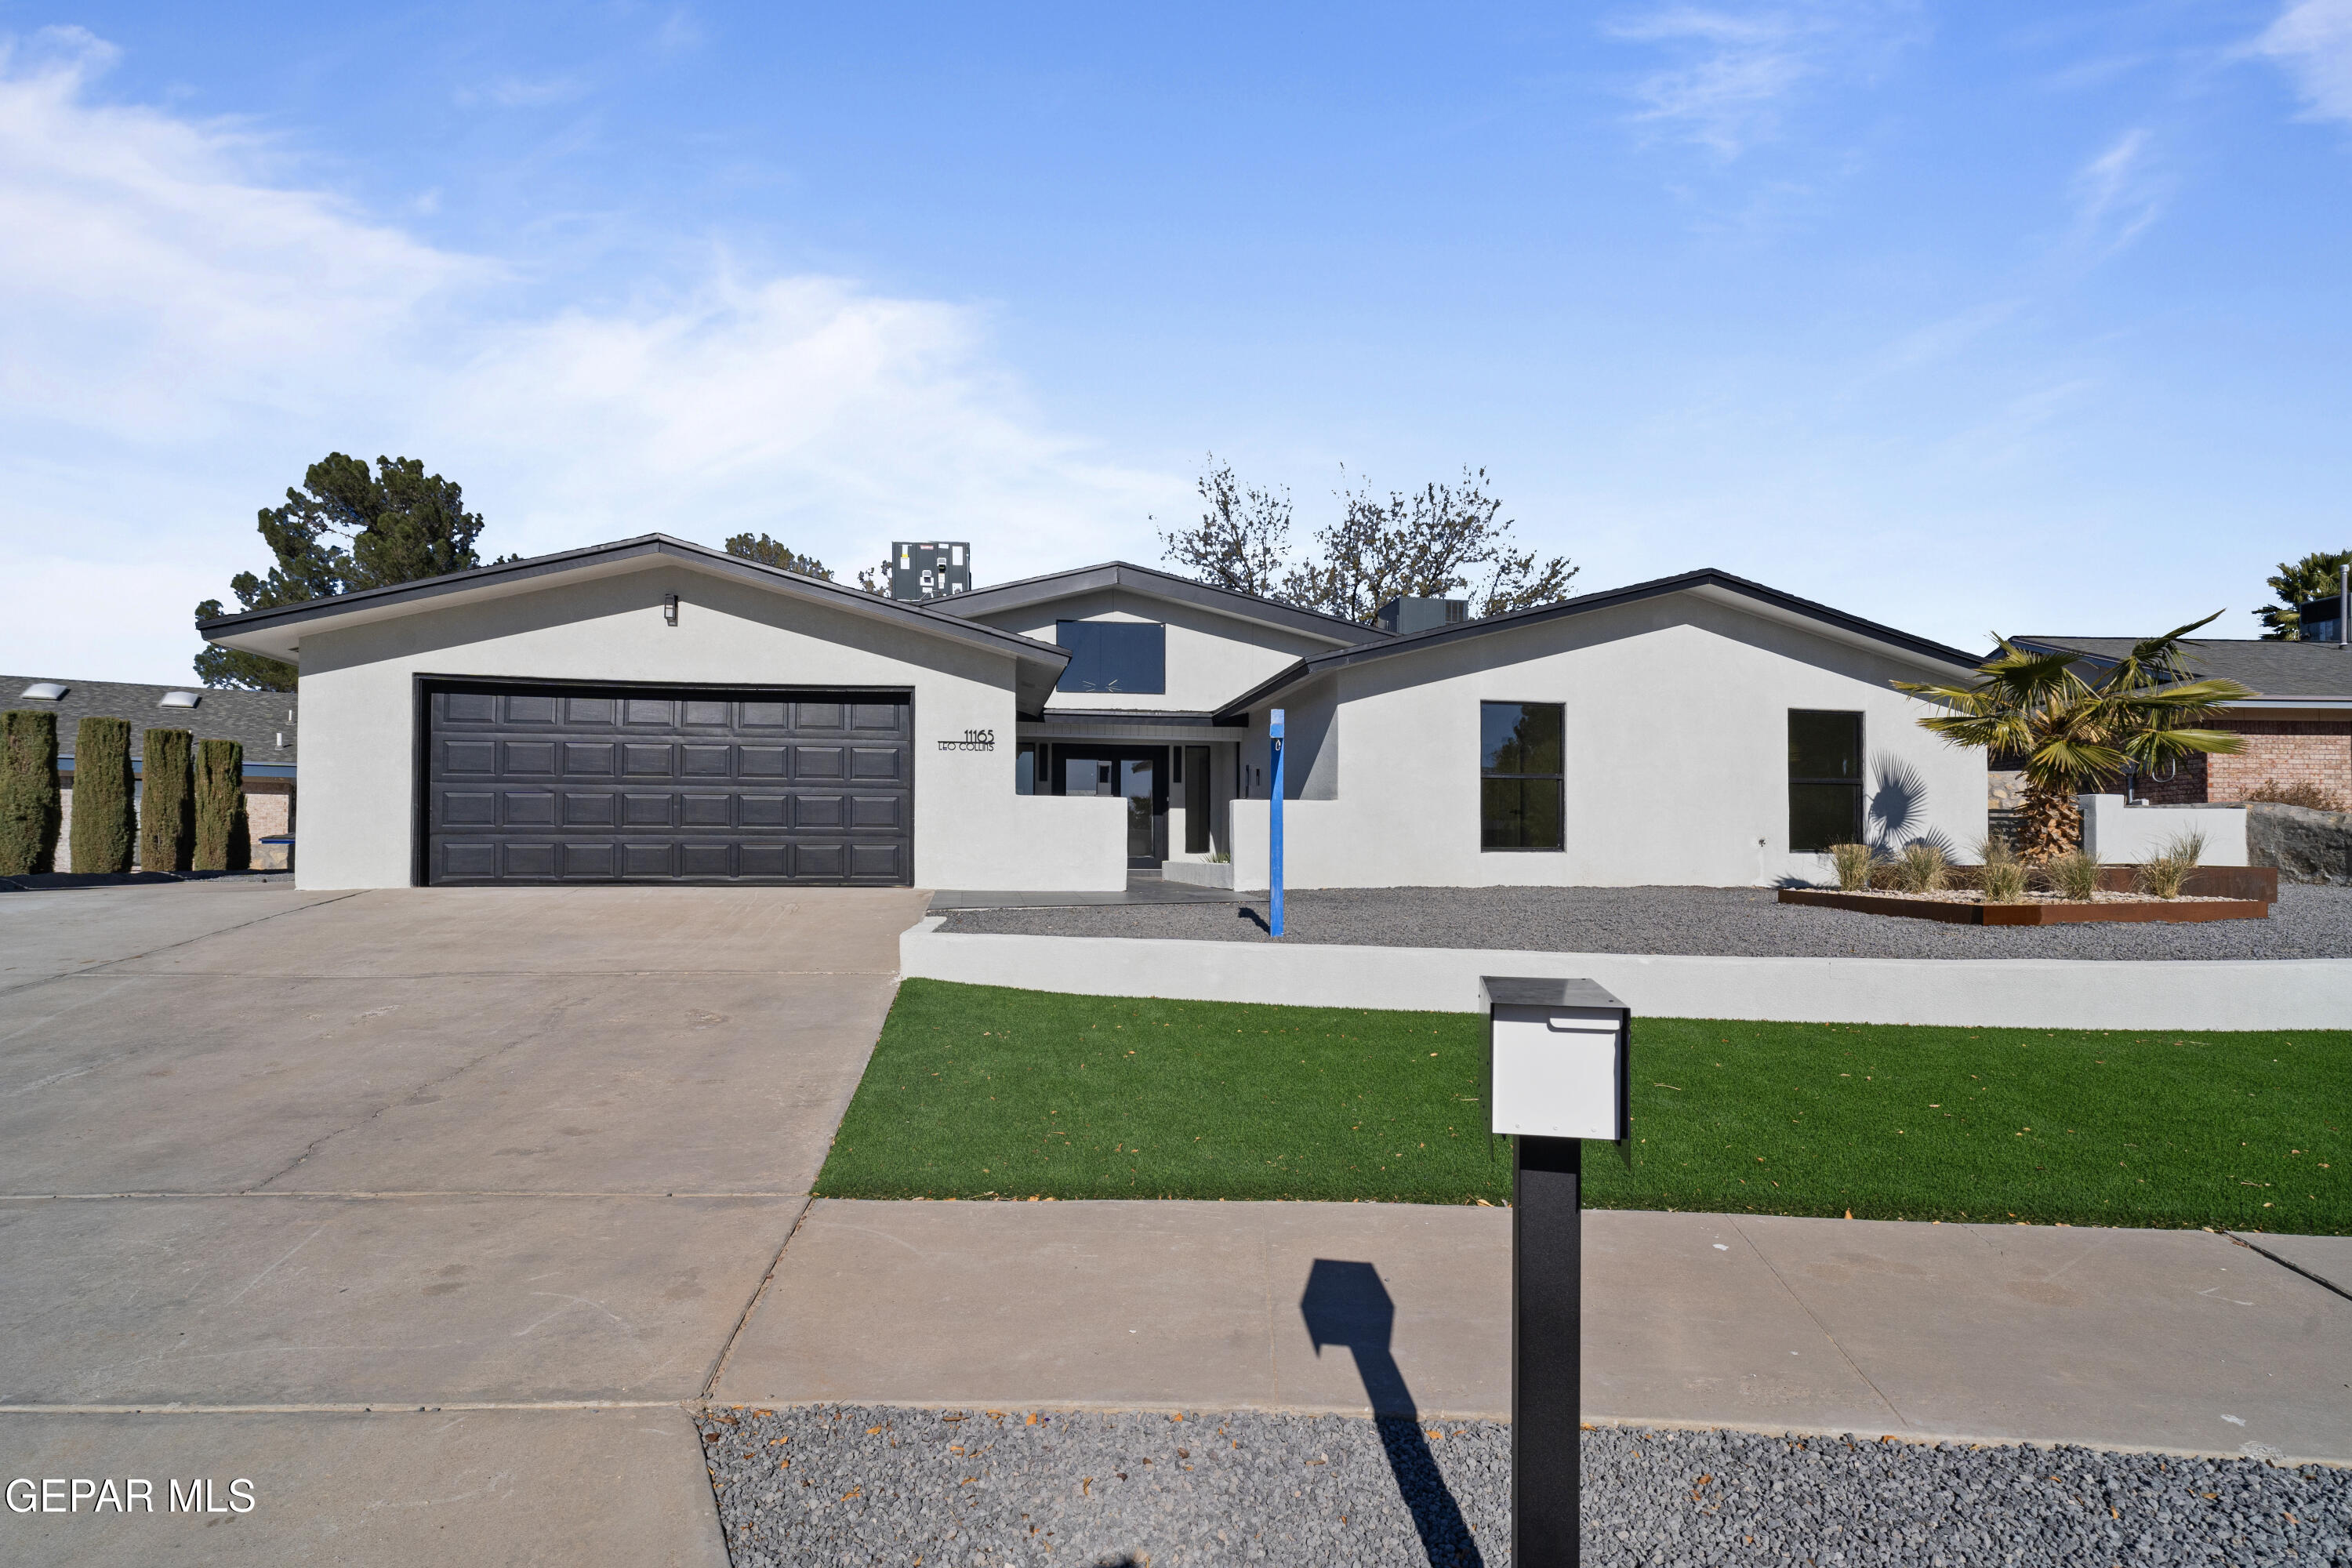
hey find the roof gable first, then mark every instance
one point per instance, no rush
(1720, 587)
(1151, 583)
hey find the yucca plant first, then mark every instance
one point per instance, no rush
(2073, 733)
(2073, 875)
(1922, 866)
(1852, 862)
(2164, 875)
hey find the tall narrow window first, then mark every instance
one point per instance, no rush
(1519, 751)
(1824, 780)
(1025, 768)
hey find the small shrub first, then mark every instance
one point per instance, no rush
(1852, 862)
(28, 793)
(221, 831)
(2302, 793)
(1923, 867)
(166, 831)
(2164, 875)
(102, 796)
(2003, 881)
(2073, 875)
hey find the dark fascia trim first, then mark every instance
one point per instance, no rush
(1706, 577)
(429, 588)
(1131, 716)
(1146, 580)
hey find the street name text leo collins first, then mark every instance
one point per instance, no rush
(132, 1494)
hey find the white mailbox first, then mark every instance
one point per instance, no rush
(1556, 1058)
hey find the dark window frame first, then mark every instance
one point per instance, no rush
(1089, 653)
(1812, 782)
(1558, 782)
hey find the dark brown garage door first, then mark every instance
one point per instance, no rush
(565, 785)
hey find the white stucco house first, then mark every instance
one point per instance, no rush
(653, 711)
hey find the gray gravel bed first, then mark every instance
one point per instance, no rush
(846, 1484)
(2307, 922)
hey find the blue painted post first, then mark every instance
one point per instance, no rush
(1274, 923)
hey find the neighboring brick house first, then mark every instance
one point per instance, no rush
(263, 721)
(2297, 726)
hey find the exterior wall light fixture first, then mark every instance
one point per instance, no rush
(670, 609)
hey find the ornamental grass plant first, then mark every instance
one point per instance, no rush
(1923, 867)
(1854, 863)
(2073, 875)
(2163, 875)
(2000, 874)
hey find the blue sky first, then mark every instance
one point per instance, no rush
(2027, 317)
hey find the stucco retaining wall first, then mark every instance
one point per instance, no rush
(2311, 994)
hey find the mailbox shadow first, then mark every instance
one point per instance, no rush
(1345, 1304)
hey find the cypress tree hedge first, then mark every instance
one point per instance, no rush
(221, 836)
(28, 793)
(166, 831)
(102, 796)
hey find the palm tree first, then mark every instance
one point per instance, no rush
(2071, 732)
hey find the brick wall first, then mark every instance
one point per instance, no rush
(268, 808)
(2290, 751)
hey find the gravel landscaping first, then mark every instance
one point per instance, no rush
(846, 1484)
(2307, 922)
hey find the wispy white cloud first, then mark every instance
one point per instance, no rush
(526, 93)
(190, 326)
(1732, 73)
(2312, 41)
(2116, 195)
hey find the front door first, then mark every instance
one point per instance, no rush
(1135, 780)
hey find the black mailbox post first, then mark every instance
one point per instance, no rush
(1557, 1057)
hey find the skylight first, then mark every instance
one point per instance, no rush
(180, 700)
(44, 691)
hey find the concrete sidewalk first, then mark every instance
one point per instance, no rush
(2178, 1340)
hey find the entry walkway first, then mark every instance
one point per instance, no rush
(2176, 1340)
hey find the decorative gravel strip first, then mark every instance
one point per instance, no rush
(1725, 923)
(847, 1484)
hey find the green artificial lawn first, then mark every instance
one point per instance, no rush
(976, 1092)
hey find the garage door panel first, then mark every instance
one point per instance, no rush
(875, 863)
(587, 786)
(526, 861)
(821, 862)
(470, 809)
(645, 809)
(527, 759)
(703, 810)
(524, 809)
(469, 758)
(819, 811)
(657, 860)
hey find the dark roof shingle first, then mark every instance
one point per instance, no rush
(2275, 670)
(260, 720)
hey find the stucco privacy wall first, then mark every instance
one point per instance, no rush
(971, 830)
(1211, 659)
(1677, 753)
(2054, 993)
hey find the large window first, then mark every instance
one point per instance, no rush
(1825, 779)
(1113, 656)
(1520, 765)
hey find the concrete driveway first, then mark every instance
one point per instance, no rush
(421, 1209)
